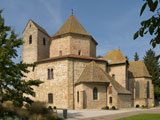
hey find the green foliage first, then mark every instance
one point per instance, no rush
(153, 67)
(151, 25)
(142, 117)
(105, 108)
(12, 83)
(136, 56)
(113, 108)
(36, 111)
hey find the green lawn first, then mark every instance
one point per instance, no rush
(143, 117)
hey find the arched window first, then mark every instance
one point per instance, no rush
(44, 41)
(148, 95)
(49, 74)
(137, 89)
(95, 93)
(79, 52)
(30, 39)
(110, 100)
(50, 98)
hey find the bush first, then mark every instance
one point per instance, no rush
(36, 111)
(105, 108)
(143, 106)
(137, 106)
(113, 108)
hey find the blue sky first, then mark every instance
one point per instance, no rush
(111, 22)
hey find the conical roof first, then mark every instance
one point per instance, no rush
(72, 25)
(115, 57)
(93, 74)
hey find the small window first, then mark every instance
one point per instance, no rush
(52, 74)
(60, 53)
(110, 100)
(113, 76)
(137, 90)
(44, 41)
(49, 74)
(110, 89)
(30, 39)
(79, 52)
(95, 93)
(148, 95)
(30, 26)
(78, 96)
(50, 98)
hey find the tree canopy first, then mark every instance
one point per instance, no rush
(151, 25)
(153, 67)
(12, 83)
(136, 56)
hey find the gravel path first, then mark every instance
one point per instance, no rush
(106, 114)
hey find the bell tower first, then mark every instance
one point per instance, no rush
(36, 43)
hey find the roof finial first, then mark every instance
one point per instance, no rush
(72, 11)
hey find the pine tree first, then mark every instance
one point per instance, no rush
(136, 56)
(152, 65)
(12, 85)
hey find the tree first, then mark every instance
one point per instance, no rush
(152, 65)
(12, 83)
(136, 56)
(151, 25)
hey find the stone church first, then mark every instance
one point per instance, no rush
(74, 78)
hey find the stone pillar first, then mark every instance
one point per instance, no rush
(81, 100)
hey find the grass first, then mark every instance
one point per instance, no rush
(142, 117)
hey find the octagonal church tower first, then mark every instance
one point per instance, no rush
(72, 38)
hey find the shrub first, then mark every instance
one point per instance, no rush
(143, 106)
(137, 106)
(105, 108)
(113, 108)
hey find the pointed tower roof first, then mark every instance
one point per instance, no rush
(71, 25)
(138, 69)
(38, 27)
(115, 57)
(93, 74)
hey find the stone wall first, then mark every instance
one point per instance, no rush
(58, 86)
(142, 100)
(74, 44)
(75, 69)
(120, 73)
(89, 103)
(114, 96)
(60, 44)
(30, 50)
(124, 101)
(43, 50)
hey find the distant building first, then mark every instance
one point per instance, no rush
(74, 78)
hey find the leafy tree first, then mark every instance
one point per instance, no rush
(99, 56)
(152, 65)
(12, 83)
(136, 56)
(151, 25)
